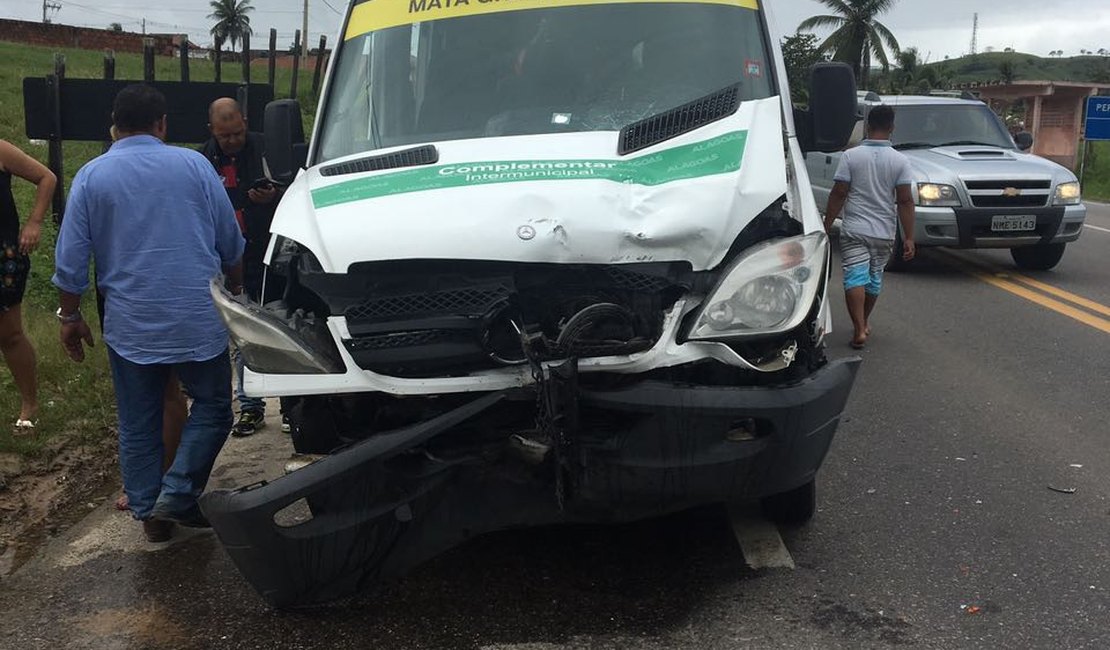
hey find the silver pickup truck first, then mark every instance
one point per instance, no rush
(975, 188)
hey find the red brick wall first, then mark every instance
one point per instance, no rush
(86, 38)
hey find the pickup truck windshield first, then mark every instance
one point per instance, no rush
(585, 67)
(919, 127)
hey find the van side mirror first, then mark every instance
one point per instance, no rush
(286, 151)
(827, 125)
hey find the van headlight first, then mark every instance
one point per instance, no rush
(935, 195)
(267, 344)
(768, 290)
(1067, 194)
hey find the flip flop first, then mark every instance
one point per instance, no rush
(23, 427)
(858, 345)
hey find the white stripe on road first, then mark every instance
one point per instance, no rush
(1087, 225)
(761, 543)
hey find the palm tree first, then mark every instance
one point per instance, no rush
(857, 35)
(232, 21)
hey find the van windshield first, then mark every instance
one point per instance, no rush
(591, 67)
(942, 126)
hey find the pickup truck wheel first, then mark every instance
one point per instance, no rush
(792, 508)
(1041, 257)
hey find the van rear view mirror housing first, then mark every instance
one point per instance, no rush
(286, 151)
(827, 125)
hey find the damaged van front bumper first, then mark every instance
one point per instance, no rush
(642, 448)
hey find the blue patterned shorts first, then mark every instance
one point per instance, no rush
(14, 267)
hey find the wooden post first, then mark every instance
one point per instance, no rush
(246, 58)
(296, 64)
(148, 59)
(273, 55)
(55, 162)
(219, 58)
(185, 58)
(109, 75)
(319, 65)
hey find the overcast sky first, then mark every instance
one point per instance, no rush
(936, 27)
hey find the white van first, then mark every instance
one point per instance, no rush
(544, 261)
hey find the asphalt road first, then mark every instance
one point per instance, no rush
(982, 388)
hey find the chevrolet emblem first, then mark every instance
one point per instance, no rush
(1011, 192)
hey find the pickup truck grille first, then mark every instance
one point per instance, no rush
(1009, 193)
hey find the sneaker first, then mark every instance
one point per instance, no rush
(157, 530)
(191, 518)
(286, 426)
(248, 423)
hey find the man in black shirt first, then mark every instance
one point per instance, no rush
(236, 153)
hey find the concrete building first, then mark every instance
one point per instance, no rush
(1054, 113)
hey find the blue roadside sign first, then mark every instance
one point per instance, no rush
(1098, 119)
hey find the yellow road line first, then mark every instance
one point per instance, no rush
(1037, 284)
(1034, 297)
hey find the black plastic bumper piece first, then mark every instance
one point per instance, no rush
(383, 505)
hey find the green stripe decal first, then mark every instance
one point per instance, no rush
(720, 155)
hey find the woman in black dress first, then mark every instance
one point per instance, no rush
(16, 244)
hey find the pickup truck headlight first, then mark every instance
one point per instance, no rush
(935, 195)
(768, 290)
(267, 344)
(1067, 194)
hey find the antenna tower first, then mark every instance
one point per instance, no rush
(975, 35)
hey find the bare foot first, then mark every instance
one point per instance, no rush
(28, 412)
(859, 341)
(122, 504)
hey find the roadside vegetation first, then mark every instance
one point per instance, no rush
(77, 400)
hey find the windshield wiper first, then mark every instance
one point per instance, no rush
(683, 119)
(973, 143)
(914, 145)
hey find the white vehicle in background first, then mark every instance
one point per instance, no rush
(544, 262)
(975, 188)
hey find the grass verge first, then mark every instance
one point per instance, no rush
(77, 400)
(1096, 178)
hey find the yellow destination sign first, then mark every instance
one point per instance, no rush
(382, 14)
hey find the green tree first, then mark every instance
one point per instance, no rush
(857, 34)
(115, 27)
(800, 52)
(232, 20)
(1008, 71)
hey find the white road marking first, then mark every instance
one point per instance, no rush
(761, 543)
(1087, 225)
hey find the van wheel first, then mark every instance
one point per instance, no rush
(898, 263)
(793, 507)
(1041, 257)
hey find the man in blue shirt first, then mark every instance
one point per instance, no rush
(159, 225)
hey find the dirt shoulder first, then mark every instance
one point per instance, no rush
(42, 496)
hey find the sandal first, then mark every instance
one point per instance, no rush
(23, 427)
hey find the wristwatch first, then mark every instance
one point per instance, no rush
(66, 319)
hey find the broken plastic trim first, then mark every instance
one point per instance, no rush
(268, 345)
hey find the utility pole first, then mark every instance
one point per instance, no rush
(47, 6)
(304, 31)
(144, 26)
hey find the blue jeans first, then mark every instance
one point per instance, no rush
(139, 391)
(246, 404)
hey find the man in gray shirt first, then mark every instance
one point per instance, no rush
(873, 192)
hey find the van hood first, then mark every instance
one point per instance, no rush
(565, 198)
(948, 164)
